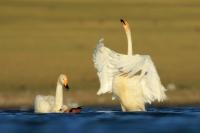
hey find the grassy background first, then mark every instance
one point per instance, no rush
(39, 39)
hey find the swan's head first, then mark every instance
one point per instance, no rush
(125, 25)
(63, 81)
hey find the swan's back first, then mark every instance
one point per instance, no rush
(44, 104)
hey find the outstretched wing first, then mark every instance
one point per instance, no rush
(109, 64)
(102, 58)
(149, 79)
(152, 86)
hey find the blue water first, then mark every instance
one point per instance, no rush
(103, 120)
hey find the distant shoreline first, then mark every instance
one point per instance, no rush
(179, 97)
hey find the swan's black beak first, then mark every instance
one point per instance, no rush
(122, 21)
(66, 84)
(66, 87)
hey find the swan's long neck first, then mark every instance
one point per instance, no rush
(130, 47)
(59, 96)
(128, 35)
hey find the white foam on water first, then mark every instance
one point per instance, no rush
(106, 111)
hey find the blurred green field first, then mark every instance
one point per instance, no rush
(39, 39)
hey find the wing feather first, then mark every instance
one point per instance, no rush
(149, 78)
(152, 86)
(103, 62)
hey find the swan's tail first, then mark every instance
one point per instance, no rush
(37, 103)
(128, 35)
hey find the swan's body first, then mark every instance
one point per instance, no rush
(129, 96)
(48, 104)
(132, 79)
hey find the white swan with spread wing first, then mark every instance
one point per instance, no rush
(51, 104)
(131, 78)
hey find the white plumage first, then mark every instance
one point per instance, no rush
(51, 104)
(132, 79)
(44, 104)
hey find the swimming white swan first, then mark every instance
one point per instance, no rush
(48, 104)
(132, 78)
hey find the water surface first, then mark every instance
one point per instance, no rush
(103, 120)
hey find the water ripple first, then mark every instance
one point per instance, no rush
(103, 120)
